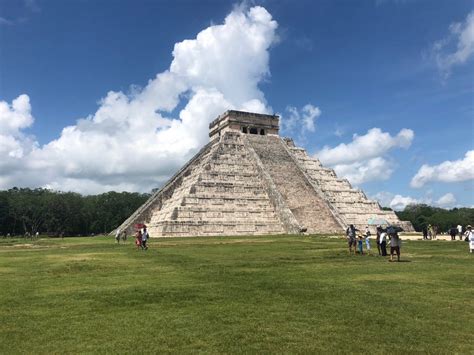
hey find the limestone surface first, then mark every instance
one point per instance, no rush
(248, 181)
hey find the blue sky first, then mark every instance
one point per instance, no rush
(382, 90)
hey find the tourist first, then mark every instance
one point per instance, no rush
(144, 238)
(351, 238)
(117, 236)
(395, 244)
(460, 231)
(425, 233)
(124, 236)
(470, 237)
(360, 243)
(430, 232)
(138, 239)
(452, 232)
(367, 242)
(377, 239)
(383, 242)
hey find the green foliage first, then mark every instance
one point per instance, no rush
(52, 212)
(420, 215)
(233, 295)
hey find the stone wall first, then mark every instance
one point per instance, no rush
(309, 209)
(223, 196)
(352, 205)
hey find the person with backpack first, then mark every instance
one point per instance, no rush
(470, 238)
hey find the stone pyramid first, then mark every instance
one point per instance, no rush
(248, 181)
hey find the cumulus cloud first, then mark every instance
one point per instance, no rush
(447, 171)
(446, 201)
(14, 144)
(373, 144)
(131, 142)
(399, 202)
(300, 121)
(365, 158)
(457, 47)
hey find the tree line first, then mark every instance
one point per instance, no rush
(421, 215)
(24, 210)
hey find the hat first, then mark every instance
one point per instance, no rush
(468, 226)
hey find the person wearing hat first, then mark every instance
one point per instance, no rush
(470, 238)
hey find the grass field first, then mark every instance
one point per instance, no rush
(233, 295)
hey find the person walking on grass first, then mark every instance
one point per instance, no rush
(430, 232)
(425, 233)
(383, 242)
(138, 239)
(144, 238)
(452, 232)
(351, 238)
(459, 227)
(377, 239)
(435, 232)
(360, 243)
(395, 244)
(117, 236)
(470, 237)
(367, 242)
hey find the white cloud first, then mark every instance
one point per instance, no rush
(130, 142)
(364, 159)
(300, 121)
(383, 197)
(461, 37)
(447, 200)
(373, 144)
(375, 169)
(14, 144)
(399, 202)
(447, 171)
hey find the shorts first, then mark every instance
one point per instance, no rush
(352, 242)
(396, 249)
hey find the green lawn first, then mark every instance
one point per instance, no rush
(233, 295)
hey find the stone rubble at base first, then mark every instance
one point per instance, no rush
(249, 181)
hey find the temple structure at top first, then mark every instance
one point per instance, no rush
(244, 122)
(249, 181)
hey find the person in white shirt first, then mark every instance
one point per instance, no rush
(117, 235)
(459, 227)
(144, 238)
(383, 243)
(470, 237)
